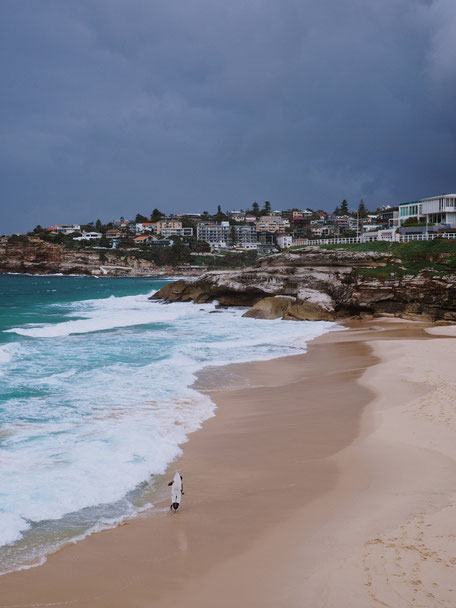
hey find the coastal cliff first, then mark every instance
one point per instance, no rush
(38, 257)
(318, 284)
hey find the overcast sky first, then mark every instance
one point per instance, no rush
(110, 107)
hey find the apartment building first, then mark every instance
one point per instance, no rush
(167, 224)
(244, 234)
(182, 232)
(272, 223)
(217, 234)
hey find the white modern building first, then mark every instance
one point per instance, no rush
(440, 209)
(407, 210)
(237, 216)
(284, 240)
(434, 210)
(89, 236)
(65, 228)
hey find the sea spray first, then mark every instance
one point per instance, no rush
(96, 398)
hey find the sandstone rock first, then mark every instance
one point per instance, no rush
(286, 307)
(314, 283)
(39, 257)
(269, 308)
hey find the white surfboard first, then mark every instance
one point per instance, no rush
(176, 489)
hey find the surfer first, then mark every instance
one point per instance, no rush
(177, 491)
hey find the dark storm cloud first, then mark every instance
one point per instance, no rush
(112, 107)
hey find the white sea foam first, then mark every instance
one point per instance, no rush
(5, 353)
(91, 418)
(102, 315)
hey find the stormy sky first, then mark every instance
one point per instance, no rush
(109, 107)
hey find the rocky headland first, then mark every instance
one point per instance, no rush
(38, 257)
(319, 284)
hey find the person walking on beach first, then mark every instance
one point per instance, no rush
(177, 490)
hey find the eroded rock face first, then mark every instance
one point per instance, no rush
(287, 307)
(38, 257)
(315, 284)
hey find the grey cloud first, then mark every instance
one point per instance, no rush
(109, 107)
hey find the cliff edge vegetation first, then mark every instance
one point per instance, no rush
(414, 281)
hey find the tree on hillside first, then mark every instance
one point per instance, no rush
(220, 216)
(344, 208)
(140, 219)
(156, 215)
(38, 228)
(266, 208)
(337, 210)
(98, 226)
(256, 208)
(362, 211)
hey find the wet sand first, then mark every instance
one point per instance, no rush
(308, 488)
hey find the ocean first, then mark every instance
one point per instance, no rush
(96, 398)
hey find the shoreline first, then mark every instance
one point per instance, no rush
(258, 482)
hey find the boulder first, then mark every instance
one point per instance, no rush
(289, 308)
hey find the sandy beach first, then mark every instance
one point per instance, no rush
(326, 479)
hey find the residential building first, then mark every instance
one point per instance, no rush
(237, 216)
(183, 232)
(266, 238)
(190, 216)
(217, 234)
(244, 234)
(272, 223)
(386, 217)
(65, 228)
(304, 213)
(89, 236)
(439, 209)
(284, 240)
(161, 243)
(327, 231)
(291, 214)
(113, 234)
(247, 246)
(167, 223)
(347, 223)
(408, 210)
(141, 227)
(144, 239)
(128, 226)
(316, 230)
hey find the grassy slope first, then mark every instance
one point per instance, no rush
(437, 256)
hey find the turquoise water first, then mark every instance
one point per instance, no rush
(96, 398)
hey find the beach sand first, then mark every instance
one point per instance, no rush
(325, 480)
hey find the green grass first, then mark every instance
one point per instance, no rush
(437, 256)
